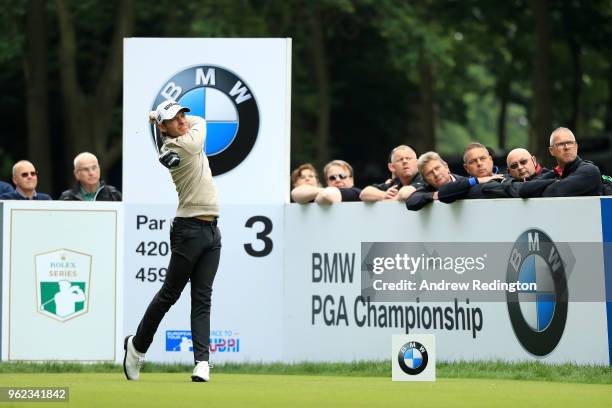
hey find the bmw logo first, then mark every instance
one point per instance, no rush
(537, 316)
(412, 358)
(228, 105)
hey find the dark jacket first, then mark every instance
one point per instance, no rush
(16, 196)
(105, 193)
(509, 187)
(5, 188)
(579, 178)
(424, 195)
(417, 181)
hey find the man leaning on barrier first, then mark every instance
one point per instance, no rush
(522, 167)
(88, 185)
(405, 177)
(436, 173)
(478, 163)
(572, 176)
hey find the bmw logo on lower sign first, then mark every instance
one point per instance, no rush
(537, 316)
(228, 105)
(413, 357)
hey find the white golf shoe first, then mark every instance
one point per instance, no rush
(201, 372)
(132, 360)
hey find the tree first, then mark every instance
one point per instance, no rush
(89, 116)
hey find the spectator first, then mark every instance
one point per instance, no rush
(405, 178)
(5, 188)
(522, 166)
(340, 186)
(89, 187)
(305, 183)
(478, 163)
(25, 178)
(435, 172)
(572, 176)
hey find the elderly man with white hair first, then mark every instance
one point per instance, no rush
(89, 187)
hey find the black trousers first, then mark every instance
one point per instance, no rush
(196, 246)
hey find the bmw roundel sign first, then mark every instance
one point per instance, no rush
(228, 105)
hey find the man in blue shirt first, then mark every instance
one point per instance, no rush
(25, 178)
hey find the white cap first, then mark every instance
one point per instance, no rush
(168, 110)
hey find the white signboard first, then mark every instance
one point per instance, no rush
(240, 86)
(62, 281)
(327, 318)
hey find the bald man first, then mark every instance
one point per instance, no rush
(89, 187)
(25, 178)
(522, 167)
(573, 176)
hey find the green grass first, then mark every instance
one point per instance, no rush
(93, 389)
(532, 371)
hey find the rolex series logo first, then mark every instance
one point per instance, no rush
(63, 283)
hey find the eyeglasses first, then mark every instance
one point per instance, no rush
(569, 143)
(31, 174)
(333, 177)
(515, 165)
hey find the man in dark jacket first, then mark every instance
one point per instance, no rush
(478, 163)
(89, 187)
(522, 167)
(25, 178)
(405, 178)
(435, 172)
(572, 176)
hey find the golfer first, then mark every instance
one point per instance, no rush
(194, 239)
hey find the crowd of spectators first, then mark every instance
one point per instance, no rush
(88, 186)
(423, 180)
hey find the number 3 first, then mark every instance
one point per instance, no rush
(262, 236)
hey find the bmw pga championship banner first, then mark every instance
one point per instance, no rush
(242, 88)
(512, 281)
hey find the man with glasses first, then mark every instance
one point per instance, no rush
(572, 176)
(89, 187)
(25, 178)
(522, 167)
(478, 163)
(340, 186)
(404, 180)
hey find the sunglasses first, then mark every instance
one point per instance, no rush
(515, 165)
(31, 173)
(333, 177)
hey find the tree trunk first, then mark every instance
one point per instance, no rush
(35, 70)
(542, 112)
(428, 110)
(608, 119)
(503, 93)
(575, 49)
(88, 118)
(323, 88)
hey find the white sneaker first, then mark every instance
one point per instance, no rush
(201, 372)
(132, 360)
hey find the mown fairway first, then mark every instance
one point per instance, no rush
(260, 390)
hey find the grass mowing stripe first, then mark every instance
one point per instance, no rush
(247, 390)
(533, 371)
